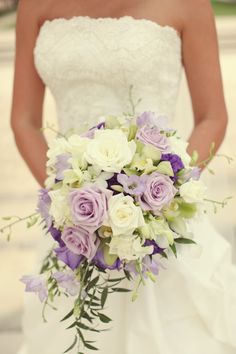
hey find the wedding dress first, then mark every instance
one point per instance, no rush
(89, 65)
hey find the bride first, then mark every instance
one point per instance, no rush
(89, 53)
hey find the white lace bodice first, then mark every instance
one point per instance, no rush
(89, 65)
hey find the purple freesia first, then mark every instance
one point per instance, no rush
(159, 192)
(61, 165)
(80, 241)
(150, 265)
(43, 206)
(175, 161)
(133, 185)
(151, 135)
(99, 261)
(56, 234)
(36, 284)
(89, 206)
(69, 258)
(68, 281)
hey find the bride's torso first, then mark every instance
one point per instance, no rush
(89, 64)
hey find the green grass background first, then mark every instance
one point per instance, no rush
(224, 9)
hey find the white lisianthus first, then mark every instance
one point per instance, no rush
(77, 146)
(179, 147)
(110, 150)
(59, 208)
(193, 191)
(128, 247)
(56, 147)
(123, 215)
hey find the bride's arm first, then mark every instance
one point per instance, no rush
(201, 62)
(28, 93)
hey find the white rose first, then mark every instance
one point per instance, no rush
(123, 215)
(179, 147)
(110, 150)
(128, 247)
(193, 191)
(59, 208)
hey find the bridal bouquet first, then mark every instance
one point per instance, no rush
(117, 202)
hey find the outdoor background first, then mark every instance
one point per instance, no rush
(18, 190)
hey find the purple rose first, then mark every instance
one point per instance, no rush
(152, 135)
(89, 206)
(68, 257)
(44, 203)
(36, 284)
(159, 192)
(68, 281)
(80, 241)
(133, 185)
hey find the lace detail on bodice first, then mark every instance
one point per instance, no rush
(89, 65)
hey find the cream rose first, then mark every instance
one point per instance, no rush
(110, 150)
(193, 191)
(123, 215)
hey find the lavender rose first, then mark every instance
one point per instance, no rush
(89, 206)
(159, 192)
(151, 135)
(80, 241)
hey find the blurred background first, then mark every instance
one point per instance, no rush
(18, 190)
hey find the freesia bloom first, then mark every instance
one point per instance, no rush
(44, 202)
(134, 185)
(193, 191)
(152, 135)
(69, 258)
(68, 281)
(89, 206)
(110, 150)
(36, 284)
(80, 241)
(159, 192)
(123, 215)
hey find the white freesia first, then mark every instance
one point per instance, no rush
(128, 247)
(77, 146)
(193, 191)
(56, 147)
(179, 147)
(59, 208)
(110, 150)
(159, 231)
(123, 215)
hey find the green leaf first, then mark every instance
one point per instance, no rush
(184, 240)
(89, 346)
(104, 296)
(32, 221)
(7, 218)
(72, 345)
(87, 317)
(109, 258)
(92, 283)
(104, 318)
(68, 315)
(114, 280)
(173, 248)
(121, 290)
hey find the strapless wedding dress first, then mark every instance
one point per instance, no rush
(89, 66)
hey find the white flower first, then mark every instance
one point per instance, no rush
(77, 146)
(128, 247)
(110, 150)
(59, 208)
(179, 147)
(159, 231)
(123, 215)
(193, 191)
(56, 147)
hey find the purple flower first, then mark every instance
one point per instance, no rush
(80, 241)
(159, 192)
(44, 203)
(99, 261)
(175, 161)
(156, 248)
(150, 265)
(89, 206)
(90, 133)
(61, 165)
(69, 258)
(67, 281)
(133, 185)
(56, 234)
(36, 284)
(152, 135)
(151, 119)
